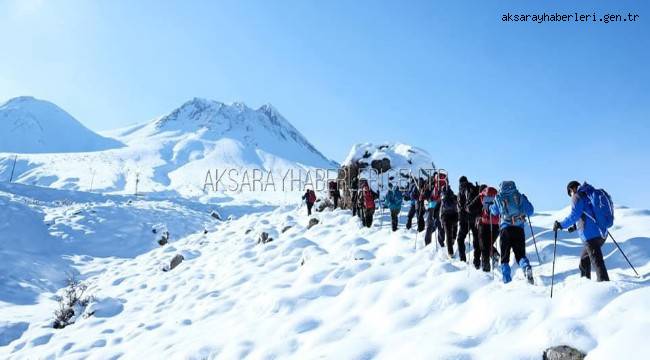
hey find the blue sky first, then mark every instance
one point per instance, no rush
(538, 103)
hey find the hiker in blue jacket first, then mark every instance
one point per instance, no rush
(393, 201)
(513, 208)
(580, 219)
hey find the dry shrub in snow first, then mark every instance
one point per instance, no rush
(72, 303)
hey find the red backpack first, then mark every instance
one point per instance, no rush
(368, 200)
(488, 194)
(440, 183)
(311, 196)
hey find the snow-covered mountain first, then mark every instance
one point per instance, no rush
(174, 152)
(29, 125)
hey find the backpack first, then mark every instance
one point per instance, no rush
(488, 197)
(602, 207)
(510, 203)
(368, 200)
(311, 196)
(449, 202)
(471, 192)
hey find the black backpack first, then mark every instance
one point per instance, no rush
(473, 208)
(448, 202)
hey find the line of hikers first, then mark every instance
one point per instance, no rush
(488, 214)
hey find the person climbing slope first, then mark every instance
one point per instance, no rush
(449, 219)
(488, 229)
(393, 201)
(583, 217)
(310, 199)
(368, 202)
(413, 197)
(467, 214)
(513, 208)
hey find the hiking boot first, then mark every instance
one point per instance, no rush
(529, 275)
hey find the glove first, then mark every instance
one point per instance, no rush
(557, 226)
(572, 228)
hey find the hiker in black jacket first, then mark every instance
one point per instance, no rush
(468, 211)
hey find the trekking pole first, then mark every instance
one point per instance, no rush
(469, 246)
(553, 271)
(11, 178)
(539, 259)
(621, 250)
(491, 246)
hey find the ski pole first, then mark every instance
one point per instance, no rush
(539, 259)
(469, 246)
(621, 250)
(11, 178)
(491, 247)
(553, 271)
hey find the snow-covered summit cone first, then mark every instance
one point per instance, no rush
(29, 125)
(251, 134)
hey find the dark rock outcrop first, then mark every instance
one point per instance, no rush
(312, 222)
(563, 352)
(264, 238)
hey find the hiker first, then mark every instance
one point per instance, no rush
(413, 197)
(421, 206)
(368, 203)
(513, 207)
(467, 214)
(449, 219)
(583, 218)
(488, 230)
(439, 184)
(432, 219)
(334, 193)
(310, 199)
(393, 201)
(354, 195)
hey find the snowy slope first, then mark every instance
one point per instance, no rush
(29, 125)
(335, 291)
(174, 153)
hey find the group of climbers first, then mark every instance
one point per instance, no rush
(487, 214)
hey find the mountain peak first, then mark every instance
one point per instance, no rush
(39, 126)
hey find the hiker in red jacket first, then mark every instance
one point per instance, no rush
(310, 199)
(488, 230)
(368, 204)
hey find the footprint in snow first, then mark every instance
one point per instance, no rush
(307, 325)
(42, 340)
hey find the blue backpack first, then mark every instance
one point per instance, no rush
(602, 207)
(510, 203)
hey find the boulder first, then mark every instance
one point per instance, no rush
(216, 215)
(264, 238)
(176, 260)
(164, 239)
(381, 166)
(312, 222)
(563, 352)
